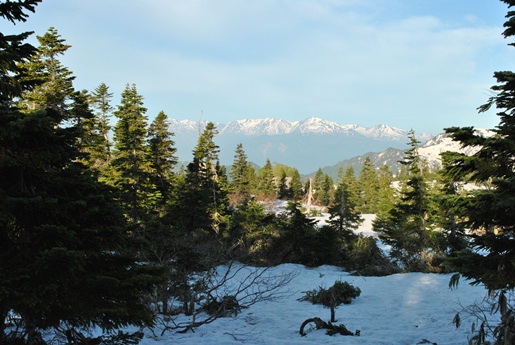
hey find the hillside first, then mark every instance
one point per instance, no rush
(430, 151)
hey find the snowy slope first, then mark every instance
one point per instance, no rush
(430, 151)
(393, 310)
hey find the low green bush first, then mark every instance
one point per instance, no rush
(339, 293)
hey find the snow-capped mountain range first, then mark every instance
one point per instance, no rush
(305, 145)
(312, 125)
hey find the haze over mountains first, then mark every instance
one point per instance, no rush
(305, 145)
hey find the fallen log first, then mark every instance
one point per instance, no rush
(331, 329)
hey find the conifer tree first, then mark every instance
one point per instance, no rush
(162, 158)
(351, 186)
(407, 227)
(62, 233)
(130, 165)
(101, 103)
(199, 219)
(296, 185)
(489, 212)
(266, 184)
(283, 190)
(327, 190)
(343, 214)
(55, 82)
(317, 185)
(202, 196)
(241, 174)
(386, 193)
(295, 243)
(91, 141)
(368, 186)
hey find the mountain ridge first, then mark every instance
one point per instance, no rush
(429, 151)
(305, 145)
(273, 126)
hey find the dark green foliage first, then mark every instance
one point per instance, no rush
(16, 11)
(242, 174)
(54, 88)
(343, 215)
(99, 146)
(339, 293)
(365, 258)
(251, 233)
(130, 166)
(489, 212)
(202, 198)
(296, 191)
(162, 160)
(368, 188)
(62, 234)
(407, 226)
(299, 240)
(267, 189)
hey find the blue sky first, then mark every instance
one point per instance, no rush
(421, 64)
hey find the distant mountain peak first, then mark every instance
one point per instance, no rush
(305, 145)
(315, 125)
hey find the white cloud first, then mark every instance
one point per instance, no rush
(281, 57)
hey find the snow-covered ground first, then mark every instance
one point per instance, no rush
(412, 308)
(396, 309)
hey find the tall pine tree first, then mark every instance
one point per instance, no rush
(55, 82)
(369, 186)
(62, 234)
(162, 159)
(241, 174)
(100, 127)
(407, 226)
(489, 212)
(266, 183)
(130, 164)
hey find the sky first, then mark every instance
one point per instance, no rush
(411, 64)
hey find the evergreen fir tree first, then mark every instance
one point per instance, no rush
(55, 82)
(407, 227)
(368, 186)
(101, 102)
(91, 141)
(130, 165)
(162, 158)
(351, 186)
(283, 188)
(343, 214)
(241, 175)
(317, 186)
(203, 200)
(296, 186)
(61, 232)
(266, 183)
(327, 190)
(489, 212)
(386, 193)
(198, 220)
